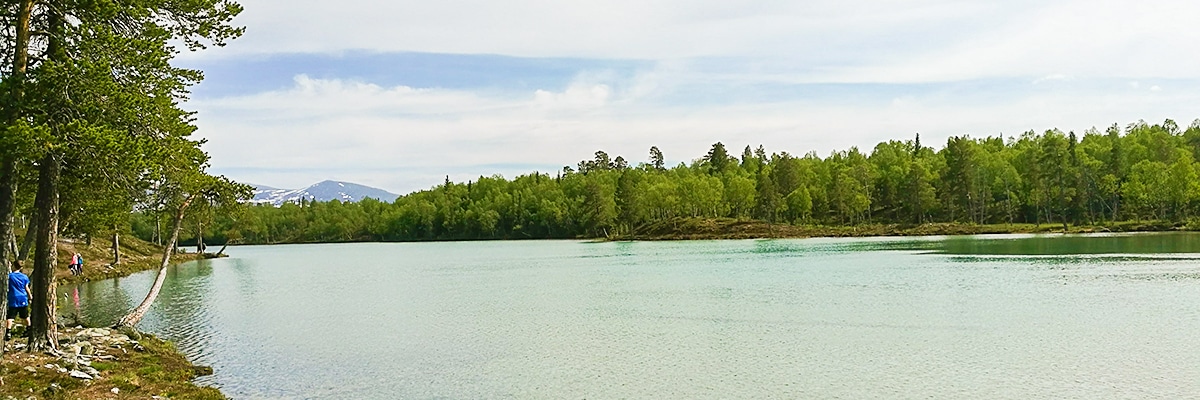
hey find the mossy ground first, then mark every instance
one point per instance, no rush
(155, 368)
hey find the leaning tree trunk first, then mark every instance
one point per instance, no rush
(27, 241)
(223, 247)
(43, 331)
(116, 246)
(136, 315)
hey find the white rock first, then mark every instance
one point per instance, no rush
(80, 375)
(30, 368)
(93, 332)
(116, 390)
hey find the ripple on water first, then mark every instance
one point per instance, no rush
(806, 318)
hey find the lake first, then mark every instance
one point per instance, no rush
(1012, 316)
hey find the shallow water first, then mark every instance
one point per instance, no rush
(975, 317)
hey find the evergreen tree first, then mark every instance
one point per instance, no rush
(718, 159)
(656, 158)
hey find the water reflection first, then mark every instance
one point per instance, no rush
(788, 318)
(98, 303)
(1163, 243)
(180, 311)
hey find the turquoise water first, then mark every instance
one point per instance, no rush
(978, 317)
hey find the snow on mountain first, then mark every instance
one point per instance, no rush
(323, 191)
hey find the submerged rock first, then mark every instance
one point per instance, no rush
(202, 370)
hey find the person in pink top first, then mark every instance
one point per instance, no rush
(76, 266)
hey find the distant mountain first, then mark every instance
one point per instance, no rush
(324, 191)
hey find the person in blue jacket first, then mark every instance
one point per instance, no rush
(18, 295)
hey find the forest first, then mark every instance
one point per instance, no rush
(1139, 172)
(92, 128)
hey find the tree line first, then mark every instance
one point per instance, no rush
(1131, 173)
(91, 128)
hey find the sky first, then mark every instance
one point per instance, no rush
(400, 94)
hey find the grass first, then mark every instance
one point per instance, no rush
(136, 255)
(158, 369)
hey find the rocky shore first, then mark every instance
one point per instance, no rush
(99, 363)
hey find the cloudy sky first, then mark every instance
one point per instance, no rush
(398, 94)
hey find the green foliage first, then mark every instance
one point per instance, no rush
(799, 205)
(1051, 177)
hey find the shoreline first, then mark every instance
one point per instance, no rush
(102, 363)
(718, 229)
(735, 229)
(136, 363)
(136, 256)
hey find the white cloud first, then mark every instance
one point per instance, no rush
(404, 139)
(1079, 56)
(578, 96)
(811, 41)
(1052, 78)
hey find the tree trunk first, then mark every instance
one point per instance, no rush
(223, 247)
(8, 200)
(136, 315)
(43, 328)
(27, 241)
(1116, 205)
(1064, 218)
(43, 332)
(116, 247)
(8, 164)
